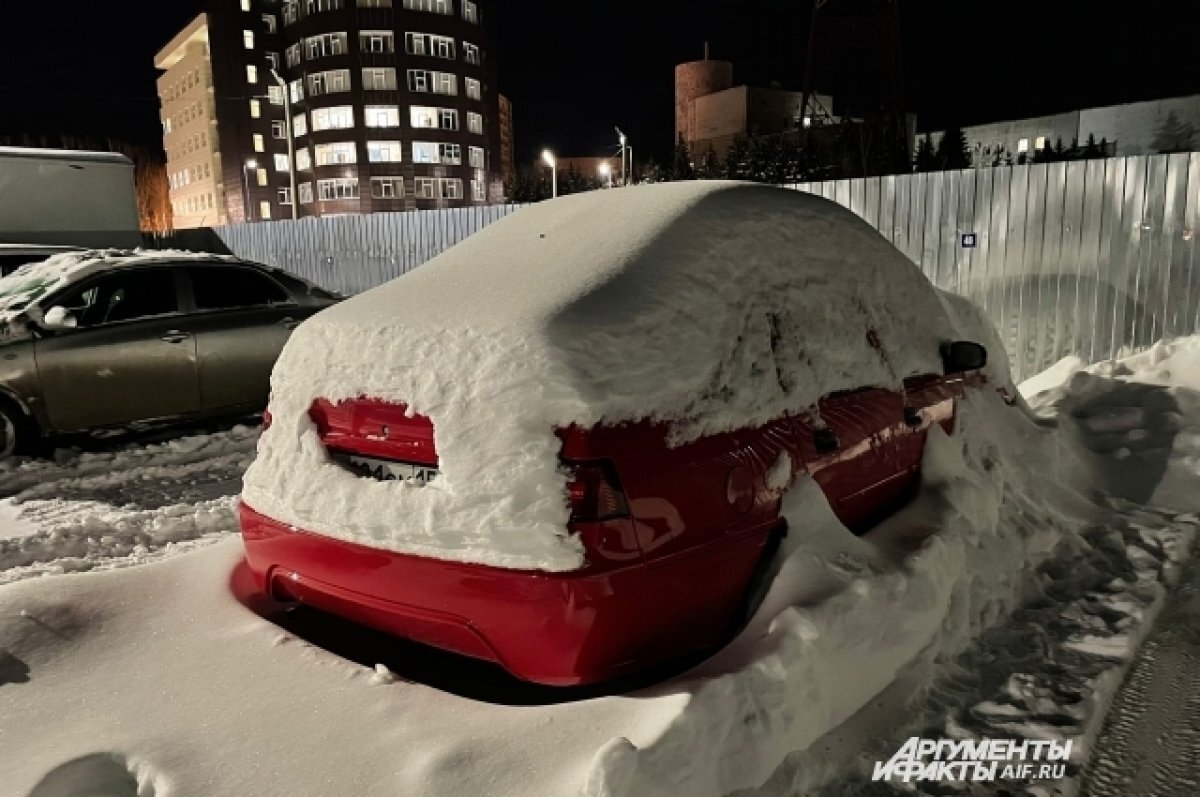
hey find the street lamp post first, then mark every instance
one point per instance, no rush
(624, 142)
(291, 141)
(552, 162)
(246, 167)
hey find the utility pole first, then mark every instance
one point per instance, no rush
(624, 173)
(291, 142)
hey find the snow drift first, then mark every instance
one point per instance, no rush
(713, 306)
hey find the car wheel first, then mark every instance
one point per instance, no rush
(18, 434)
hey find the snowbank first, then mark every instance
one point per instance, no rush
(713, 306)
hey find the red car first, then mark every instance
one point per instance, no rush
(674, 534)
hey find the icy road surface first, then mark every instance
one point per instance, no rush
(119, 504)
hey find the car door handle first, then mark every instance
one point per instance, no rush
(289, 324)
(175, 336)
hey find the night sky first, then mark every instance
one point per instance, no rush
(574, 70)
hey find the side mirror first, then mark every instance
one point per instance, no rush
(962, 355)
(57, 318)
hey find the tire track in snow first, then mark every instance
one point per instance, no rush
(1150, 745)
(107, 509)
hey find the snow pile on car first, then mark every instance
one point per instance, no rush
(713, 306)
(32, 281)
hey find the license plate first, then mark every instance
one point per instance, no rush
(385, 470)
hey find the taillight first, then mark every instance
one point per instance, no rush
(595, 493)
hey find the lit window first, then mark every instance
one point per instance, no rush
(326, 44)
(470, 53)
(264, 210)
(292, 55)
(255, 109)
(477, 191)
(374, 3)
(290, 13)
(433, 6)
(1040, 143)
(259, 145)
(470, 11)
(422, 116)
(263, 180)
(340, 117)
(377, 41)
(424, 152)
(381, 116)
(281, 163)
(269, 21)
(387, 187)
(251, 73)
(331, 82)
(275, 95)
(296, 89)
(285, 196)
(333, 154)
(248, 39)
(278, 129)
(1023, 145)
(475, 123)
(379, 79)
(306, 193)
(245, 5)
(477, 157)
(303, 160)
(300, 125)
(474, 89)
(383, 151)
(340, 188)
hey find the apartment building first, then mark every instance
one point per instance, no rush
(388, 104)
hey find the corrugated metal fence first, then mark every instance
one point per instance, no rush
(1083, 257)
(353, 253)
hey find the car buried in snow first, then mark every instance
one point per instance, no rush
(99, 339)
(561, 446)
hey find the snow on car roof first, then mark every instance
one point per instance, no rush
(33, 280)
(708, 305)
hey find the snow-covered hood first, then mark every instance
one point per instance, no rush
(710, 305)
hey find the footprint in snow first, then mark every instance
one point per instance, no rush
(95, 775)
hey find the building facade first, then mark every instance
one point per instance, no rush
(389, 105)
(1137, 128)
(710, 112)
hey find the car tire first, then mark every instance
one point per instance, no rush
(18, 432)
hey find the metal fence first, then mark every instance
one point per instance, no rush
(1085, 257)
(353, 253)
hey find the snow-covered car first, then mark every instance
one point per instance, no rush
(562, 445)
(110, 338)
(13, 256)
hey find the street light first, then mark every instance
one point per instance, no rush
(246, 168)
(624, 174)
(605, 174)
(291, 141)
(552, 162)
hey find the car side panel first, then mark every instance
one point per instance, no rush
(116, 374)
(236, 350)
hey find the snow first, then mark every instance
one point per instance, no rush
(713, 306)
(28, 283)
(112, 508)
(1005, 601)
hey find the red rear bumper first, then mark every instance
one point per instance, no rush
(559, 629)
